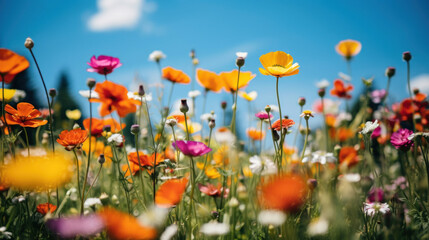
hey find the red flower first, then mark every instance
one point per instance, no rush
(285, 122)
(44, 208)
(341, 90)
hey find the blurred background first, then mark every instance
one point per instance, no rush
(68, 33)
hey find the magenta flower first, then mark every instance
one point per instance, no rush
(378, 95)
(263, 115)
(376, 133)
(376, 195)
(103, 64)
(400, 139)
(192, 148)
(70, 227)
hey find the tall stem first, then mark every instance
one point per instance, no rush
(411, 94)
(299, 126)
(306, 139)
(281, 121)
(140, 165)
(77, 174)
(26, 139)
(89, 154)
(325, 125)
(234, 113)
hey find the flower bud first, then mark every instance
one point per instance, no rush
(240, 62)
(390, 72)
(212, 123)
(29, 43)
(192, 53)
(135, 129)
(52, 92)
(90, 83)
(104, 198)
(416, 91)
(301, 101)
(101, 159)
(107, 128)
(275, 135)
(337, 149)
(268, 109)
(312, 183)
(171, 122)
(321, 92)
(141, 91)
(76, 126)
(195, 61)
(1, 124)
(406, 56)
(223, 105)
(184, 106)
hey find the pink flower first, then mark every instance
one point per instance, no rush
(192, 148)
(376, 195)
(400, 139)
(70, 227)
(376, 133)
(103, 64)
(263, 115)
(378, 95)
(213, 191)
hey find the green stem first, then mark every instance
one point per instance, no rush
(186, 125)
(77, 174)
(299, 126)
(234, 116)
(281, 122)
(95, 179)
(141, 167)
(89, 155)
(411, 94)
(26, 139)
(306, 139)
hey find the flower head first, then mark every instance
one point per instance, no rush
(212, 190)
(192, 148)
(11, 64)
(170, 193)
(241, 55)
(372, 209)
(320, 157)
(209, 80)
(369, 127)
(378, 95)
(341, 90)
(71, 227)
(262, 115)
(24, 115)
(271, 217)
(103, 64)
(348, 156)
(263, 166)
(348, 48)
(156, 56)
(255, 134)
(98, 125)
(175, 76)
(376, 195)
(286, 123)
(45, 208)
(214, 229)
(116, 139)
(230, 80)
(72, 139)
(12, 94)
(400, 139)
(307, 114)
(73, 114)
(248, 96)
(322, 84)
(278, 64)
(194, 94)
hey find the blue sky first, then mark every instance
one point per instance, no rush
(68, 33)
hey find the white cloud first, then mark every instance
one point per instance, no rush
(421, 82)
(119, 14)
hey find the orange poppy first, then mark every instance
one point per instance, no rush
(209, 80)
(348, 48)
(341, 89)
(255, 134)
(44, 208)
(342, 134)
(180, 118)
(97, 125)
(285, 122)
(73, 138)
(145, 160)
(11, 64)
(114, 97)
(348, 156)
(170, 193)
(120, 225)
(24, 115)
(230, 80)
(286, 192)
(175, 76)
(278, 64)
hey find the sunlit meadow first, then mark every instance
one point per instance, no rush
(151, 164)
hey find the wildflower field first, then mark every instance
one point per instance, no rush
(135, 165)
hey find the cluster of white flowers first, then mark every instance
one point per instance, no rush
(369, 127)
(116, 138)
(263, 166)
(169, 232)
(320, 157)
(134, 95)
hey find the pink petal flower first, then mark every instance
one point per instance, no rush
(103, 64)
(192, 148)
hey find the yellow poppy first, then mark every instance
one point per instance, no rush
(248, 96)
(12, 94)
(278, 64)
(230, 80)
(348, 48)
(73, 114)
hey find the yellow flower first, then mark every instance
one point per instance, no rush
(193, 127)
(73, 114)
(278, 64)
(211, 172)
(37, 173)
(247, 172)
(12, 94)
(248, 96)
(348, 48)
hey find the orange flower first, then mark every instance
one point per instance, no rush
(175, 76)
(341, 90)
(330, 120)
(145, 161)
(44, 208)
(11, 64)
(343, 134)
(97, 148)
(209, 80)
(285, 122)
(348, 156)
(255, 134)
(120, 225)
(230, 80)
(348, 48)
(114, 97)
(24, 115)
(278, 64)
(73, 138)
(286, 193)
(170, 193)
(98, 125)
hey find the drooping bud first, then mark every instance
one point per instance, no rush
(212, 123)
(141, 91)
(406, 56)
(223, 105)
(52, 92)
(390, 72)
(135, 129)
(101, 159)
(90, 83)
(184, 105)
(301, 101)
(29, 43)
(321, 92)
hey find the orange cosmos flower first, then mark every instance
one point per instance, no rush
(24, 115)
(209, 80)
(278, 64)
(286, 193)
(175, 76)
(348, 156)
(120, 225)
(44, 208)
(255, 134)
(285, 122)
(341, 90)
(348, 48)
(230, 80)
(73, 138)
(114, 97)
(98, 125)
(11, 64)
(170, 193)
